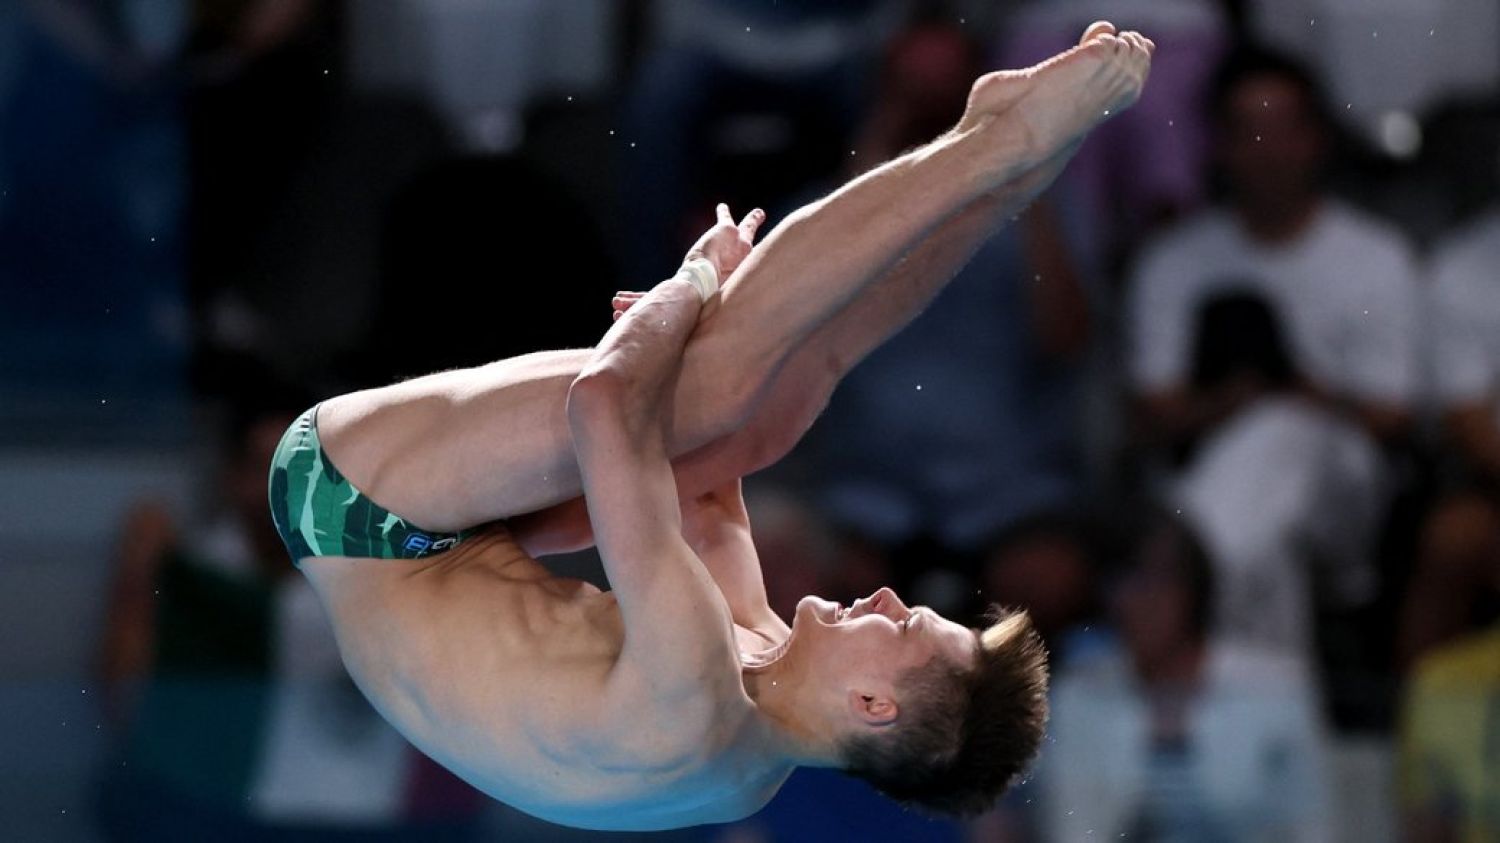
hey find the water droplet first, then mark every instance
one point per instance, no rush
(1106, 112)
(919, 387)
(570, 99)
(747, 29)
(1431, 32)
(1257, 138)
(1367, 313)
(611, 132)
(632, 144)
(1374, 34)
(103, 401)
(1312, 21)
(1171, 122)
(325, 72)
(1348, 105)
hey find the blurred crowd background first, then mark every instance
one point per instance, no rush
(1222, 410)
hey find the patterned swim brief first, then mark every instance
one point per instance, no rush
(319, 513)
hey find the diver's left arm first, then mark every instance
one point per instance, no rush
(618, 411)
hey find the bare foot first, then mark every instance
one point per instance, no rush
(1056, 103)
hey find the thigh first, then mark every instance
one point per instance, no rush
(458, 449)
(455, 449)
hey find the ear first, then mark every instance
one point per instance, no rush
(872, 709)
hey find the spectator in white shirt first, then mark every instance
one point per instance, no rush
(1181, 737)
(1343, 282)
(1277, 481)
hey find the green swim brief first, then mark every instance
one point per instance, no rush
(319, 513)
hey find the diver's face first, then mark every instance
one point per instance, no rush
(875, 640)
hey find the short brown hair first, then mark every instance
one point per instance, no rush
(964, 734)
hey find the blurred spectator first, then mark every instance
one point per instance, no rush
(1261, 485)
(237, 718)
(1344, 283)
(1182, 737)
(1449, 789)
(1147, 166)
(1451, 590)
(923, 446)
(92, 168)
(778, 82)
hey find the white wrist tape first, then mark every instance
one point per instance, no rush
(702, 275)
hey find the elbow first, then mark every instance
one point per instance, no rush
(596, 397)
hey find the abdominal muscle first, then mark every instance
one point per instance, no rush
(499, 671)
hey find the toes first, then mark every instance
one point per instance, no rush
(1097, 29)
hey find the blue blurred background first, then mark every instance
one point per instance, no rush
(1220, 410)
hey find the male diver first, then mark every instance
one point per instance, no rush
(679, 697)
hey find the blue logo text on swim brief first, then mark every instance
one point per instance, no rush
(418, 543)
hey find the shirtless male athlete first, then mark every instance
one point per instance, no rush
(679, 697)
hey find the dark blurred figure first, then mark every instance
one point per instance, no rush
(965, 423)
(523, 258)
(92, 193)
(1182, 736)
(740, 97)
(1147, 167)
(293, 171)
(257, 101)
(1453, 589)
(236, 720)
(1285, 494)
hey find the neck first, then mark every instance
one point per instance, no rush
(782, 704)
(1280, 220)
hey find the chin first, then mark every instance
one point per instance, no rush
(815, 610)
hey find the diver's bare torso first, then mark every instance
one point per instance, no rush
(504, 673)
